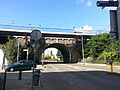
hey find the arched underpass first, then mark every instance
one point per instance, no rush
(63, 49)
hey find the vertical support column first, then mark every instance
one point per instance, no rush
(70, 53)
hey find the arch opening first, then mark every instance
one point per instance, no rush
(52, 55)
(62, 49)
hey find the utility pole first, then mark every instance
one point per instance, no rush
(18, 51)
(83, 50)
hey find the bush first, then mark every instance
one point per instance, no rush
(47, 57)
(10, 51)
(89, 59)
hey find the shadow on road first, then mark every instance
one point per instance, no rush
(80, 80)
(71, 80)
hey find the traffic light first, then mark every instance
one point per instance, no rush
(113, 25)
(107, 3)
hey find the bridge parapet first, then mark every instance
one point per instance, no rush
(66, 41)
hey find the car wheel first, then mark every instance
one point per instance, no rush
(11, 69)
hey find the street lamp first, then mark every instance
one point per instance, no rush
(83, 50)
(18, 51)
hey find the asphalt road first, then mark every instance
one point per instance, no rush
(78, 77)
(66, 77)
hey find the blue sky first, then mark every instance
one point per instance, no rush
(53, 13)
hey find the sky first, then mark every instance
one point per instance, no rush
(49, 50)
(54, 13)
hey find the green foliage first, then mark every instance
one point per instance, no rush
(116, 63)
(107, 56)
(47, 57)
(96, 45)
(10, 51)
(102, 49)
(59, 55)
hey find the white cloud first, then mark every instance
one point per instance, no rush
(85, 28)
(89, 3)
(81, 0)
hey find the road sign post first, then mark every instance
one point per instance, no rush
(35, 37)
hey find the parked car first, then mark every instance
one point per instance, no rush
(21, 65)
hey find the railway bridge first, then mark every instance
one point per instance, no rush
(69, 44)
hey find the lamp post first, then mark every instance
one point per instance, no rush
(18, 49)
(83, 50)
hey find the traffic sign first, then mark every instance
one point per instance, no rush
(113, 25)
(36, 35)
(107, 3)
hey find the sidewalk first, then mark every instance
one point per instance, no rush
(115, 68)
(12, 82)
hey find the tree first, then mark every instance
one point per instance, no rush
(111, 52)
(10, 51)
(96, 45)
(100, 47)
(59, 55)
(47, 57)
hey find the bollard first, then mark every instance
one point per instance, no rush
(20, 75)
(111, 66)
(5, 75)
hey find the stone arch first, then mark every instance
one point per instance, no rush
(63, 49)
